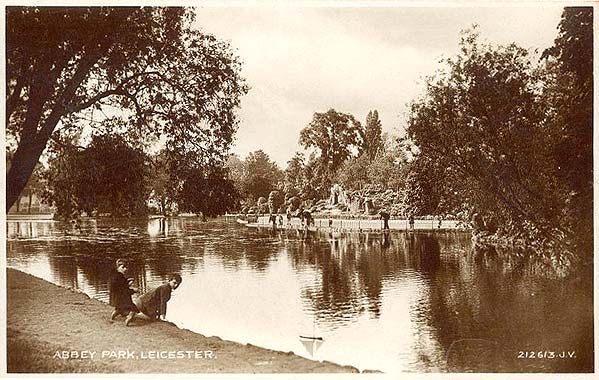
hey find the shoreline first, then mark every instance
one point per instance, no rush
(52, 329)
(358, 224)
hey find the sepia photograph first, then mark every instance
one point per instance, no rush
(357, 188)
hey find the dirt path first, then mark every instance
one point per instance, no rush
(46, 323)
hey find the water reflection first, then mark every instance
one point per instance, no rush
(28, 229)
(389, 301)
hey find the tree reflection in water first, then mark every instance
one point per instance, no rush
(353, 267)
(464, 309)
(488, 305)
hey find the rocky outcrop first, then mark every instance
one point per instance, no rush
(368, 201)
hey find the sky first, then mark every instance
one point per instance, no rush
(301, 60)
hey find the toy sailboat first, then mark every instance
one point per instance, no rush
(312, 342)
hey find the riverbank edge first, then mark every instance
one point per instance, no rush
(346, 224)
(43, 319)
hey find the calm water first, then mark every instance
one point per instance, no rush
(391, 302)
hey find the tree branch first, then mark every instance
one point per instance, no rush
(118, 90)
(64, 99)
(38, 96)
(91, 101)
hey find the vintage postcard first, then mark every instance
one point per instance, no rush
(309, 188)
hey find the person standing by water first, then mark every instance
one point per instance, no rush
(385, 216)
(300, 213)
(120, 293)
(411, 220)
(273, 219)
(307, 217)
(153, 303)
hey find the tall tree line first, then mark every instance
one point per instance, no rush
(511, 136)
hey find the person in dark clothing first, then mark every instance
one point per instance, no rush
(120, 293)
(153, 303)
(411, 220)
(300, 214)
(385, 216)
(273, 219)
(307, 216)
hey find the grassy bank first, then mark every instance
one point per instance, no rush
(47, 325)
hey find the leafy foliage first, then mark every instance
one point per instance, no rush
(108, 176)
(35, 185)
(294, 176)
(141, 71)
(261, 175)
(334, 135)
(211, 193)
(483, 120)
(236, 172)
(432, 188)
(354, 173)
(372, 139)
(387, 168)
(570, 94)
(503, 132)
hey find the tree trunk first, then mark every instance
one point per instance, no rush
(22, 165)
(35, 137)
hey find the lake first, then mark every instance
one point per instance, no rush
(394, 302)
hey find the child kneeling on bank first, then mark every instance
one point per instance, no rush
(153, 303)
(120, 293)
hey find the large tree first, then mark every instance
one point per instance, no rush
(261, 175)
(294, 175)
(483, 120)
(386, 168)
(235, 167)
(373, 144)
(433, 188)
(336, 135)
(209, 192)
(107, 177)
(573, 97)
(353, 174)
(139, 70)
(571, 119)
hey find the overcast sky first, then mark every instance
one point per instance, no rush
(300, 60)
